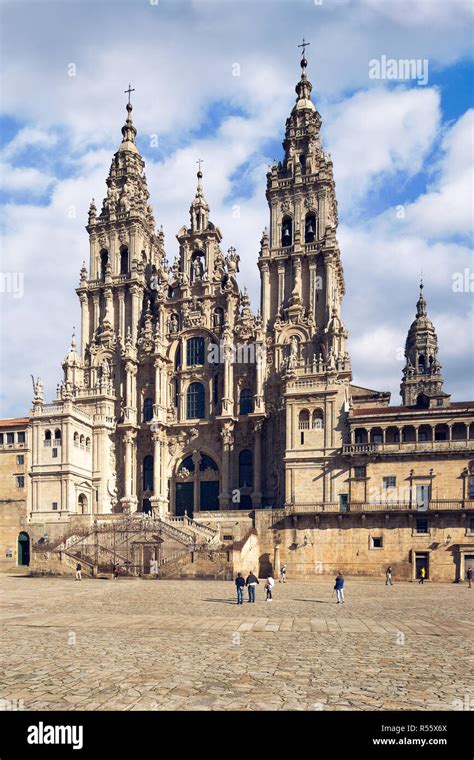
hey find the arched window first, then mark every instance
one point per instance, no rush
(148, 473)
(57, 435)
(148, 410)
(421, 363)
(187, 464)
(104, 260)
(310, 228)
(246, 401)
(287, 231)
(177, 358)
(207, 463)
(76, 438)
(81, 441)
(317, 419)
(303, 420)
(88, 443)
(245, 469)
(194, 351)
(82, 504)
(124, 260)
(195, 400)
(47, 435)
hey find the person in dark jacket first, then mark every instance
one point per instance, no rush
(339, 587)
(251, 582)
(239, 584)
(469, 576)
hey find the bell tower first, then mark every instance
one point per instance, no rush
(422, 383)
(302, 286)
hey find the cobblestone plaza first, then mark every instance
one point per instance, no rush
(185, 645)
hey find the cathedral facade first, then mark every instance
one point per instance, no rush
(180, 401)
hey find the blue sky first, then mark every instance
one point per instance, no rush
(395, 145)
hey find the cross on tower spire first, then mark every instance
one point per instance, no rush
(200, 161)
(304, 45)
(130, 90)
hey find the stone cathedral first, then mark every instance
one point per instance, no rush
(181, 403)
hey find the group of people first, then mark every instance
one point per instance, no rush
(251, 582)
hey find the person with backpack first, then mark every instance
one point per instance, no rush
(78, 572)
(269, 588)
(339, 588)
(239, 584)
(251, 582)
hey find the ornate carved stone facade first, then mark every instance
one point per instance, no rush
(180, 399)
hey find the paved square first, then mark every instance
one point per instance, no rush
(185, 645)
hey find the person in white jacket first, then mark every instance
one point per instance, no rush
(269, 588)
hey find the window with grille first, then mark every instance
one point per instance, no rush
(148, 409)
(195, 399)
(390, 481)
(20, 459)
(360, 472)
(20, 481)
(195, 351)
(245, 468)
(422, 526)
(246, 401)
(21, 437)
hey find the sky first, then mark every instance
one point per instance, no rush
(215, 80)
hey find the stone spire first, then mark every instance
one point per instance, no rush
(127, 191)
(422, 383)
(199, 209)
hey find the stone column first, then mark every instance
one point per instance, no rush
(121, 313)
(281, 285)
(155, 500)
(227, 441)
(312, 287)
(129, 499)
(329, 283)
(257, 466)
(261, 355)
(158, 386)
(136, 292)
(228, 396)
(84, 322)
(95, 311)
(265, 302)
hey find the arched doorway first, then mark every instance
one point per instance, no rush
(23, 549)
(197, 485)
(82, 506)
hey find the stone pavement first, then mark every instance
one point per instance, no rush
(185, 645)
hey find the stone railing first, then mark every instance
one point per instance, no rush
(406, 447)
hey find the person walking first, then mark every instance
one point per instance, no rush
(269, 588)
(78, 572)
(388, 576)
(422, 575)
(339, 588)
(283, 574)
(251, 582)
(116, 572)
(239, 584)
(469, 576)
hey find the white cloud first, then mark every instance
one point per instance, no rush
(19, 180)
(378, 133)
